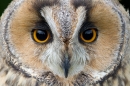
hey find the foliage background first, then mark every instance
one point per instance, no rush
(4, 4)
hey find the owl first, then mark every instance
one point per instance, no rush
(65, 43)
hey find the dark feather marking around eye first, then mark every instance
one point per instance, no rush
(85, 3)
(39, 4)
(43, 25)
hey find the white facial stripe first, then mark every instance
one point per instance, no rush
(79, 59)
(46, 12)
(52, 58)
(81, 17)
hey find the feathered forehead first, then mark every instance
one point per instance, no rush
(75, 3)
(63, 12)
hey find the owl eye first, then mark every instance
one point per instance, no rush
(41, 36)
(88, 35)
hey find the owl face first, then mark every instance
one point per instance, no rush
(69, 40)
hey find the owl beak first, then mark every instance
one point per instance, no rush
(66, 65)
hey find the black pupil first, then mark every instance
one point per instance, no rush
(88, 34)
(41, 35)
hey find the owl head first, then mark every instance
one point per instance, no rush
(73, 41)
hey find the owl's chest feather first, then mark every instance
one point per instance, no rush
(12, 77)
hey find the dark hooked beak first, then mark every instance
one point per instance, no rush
(66, 65)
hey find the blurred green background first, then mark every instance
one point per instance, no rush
(4, 4)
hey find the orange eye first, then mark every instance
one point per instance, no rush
(88, 35)
(41, 36)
